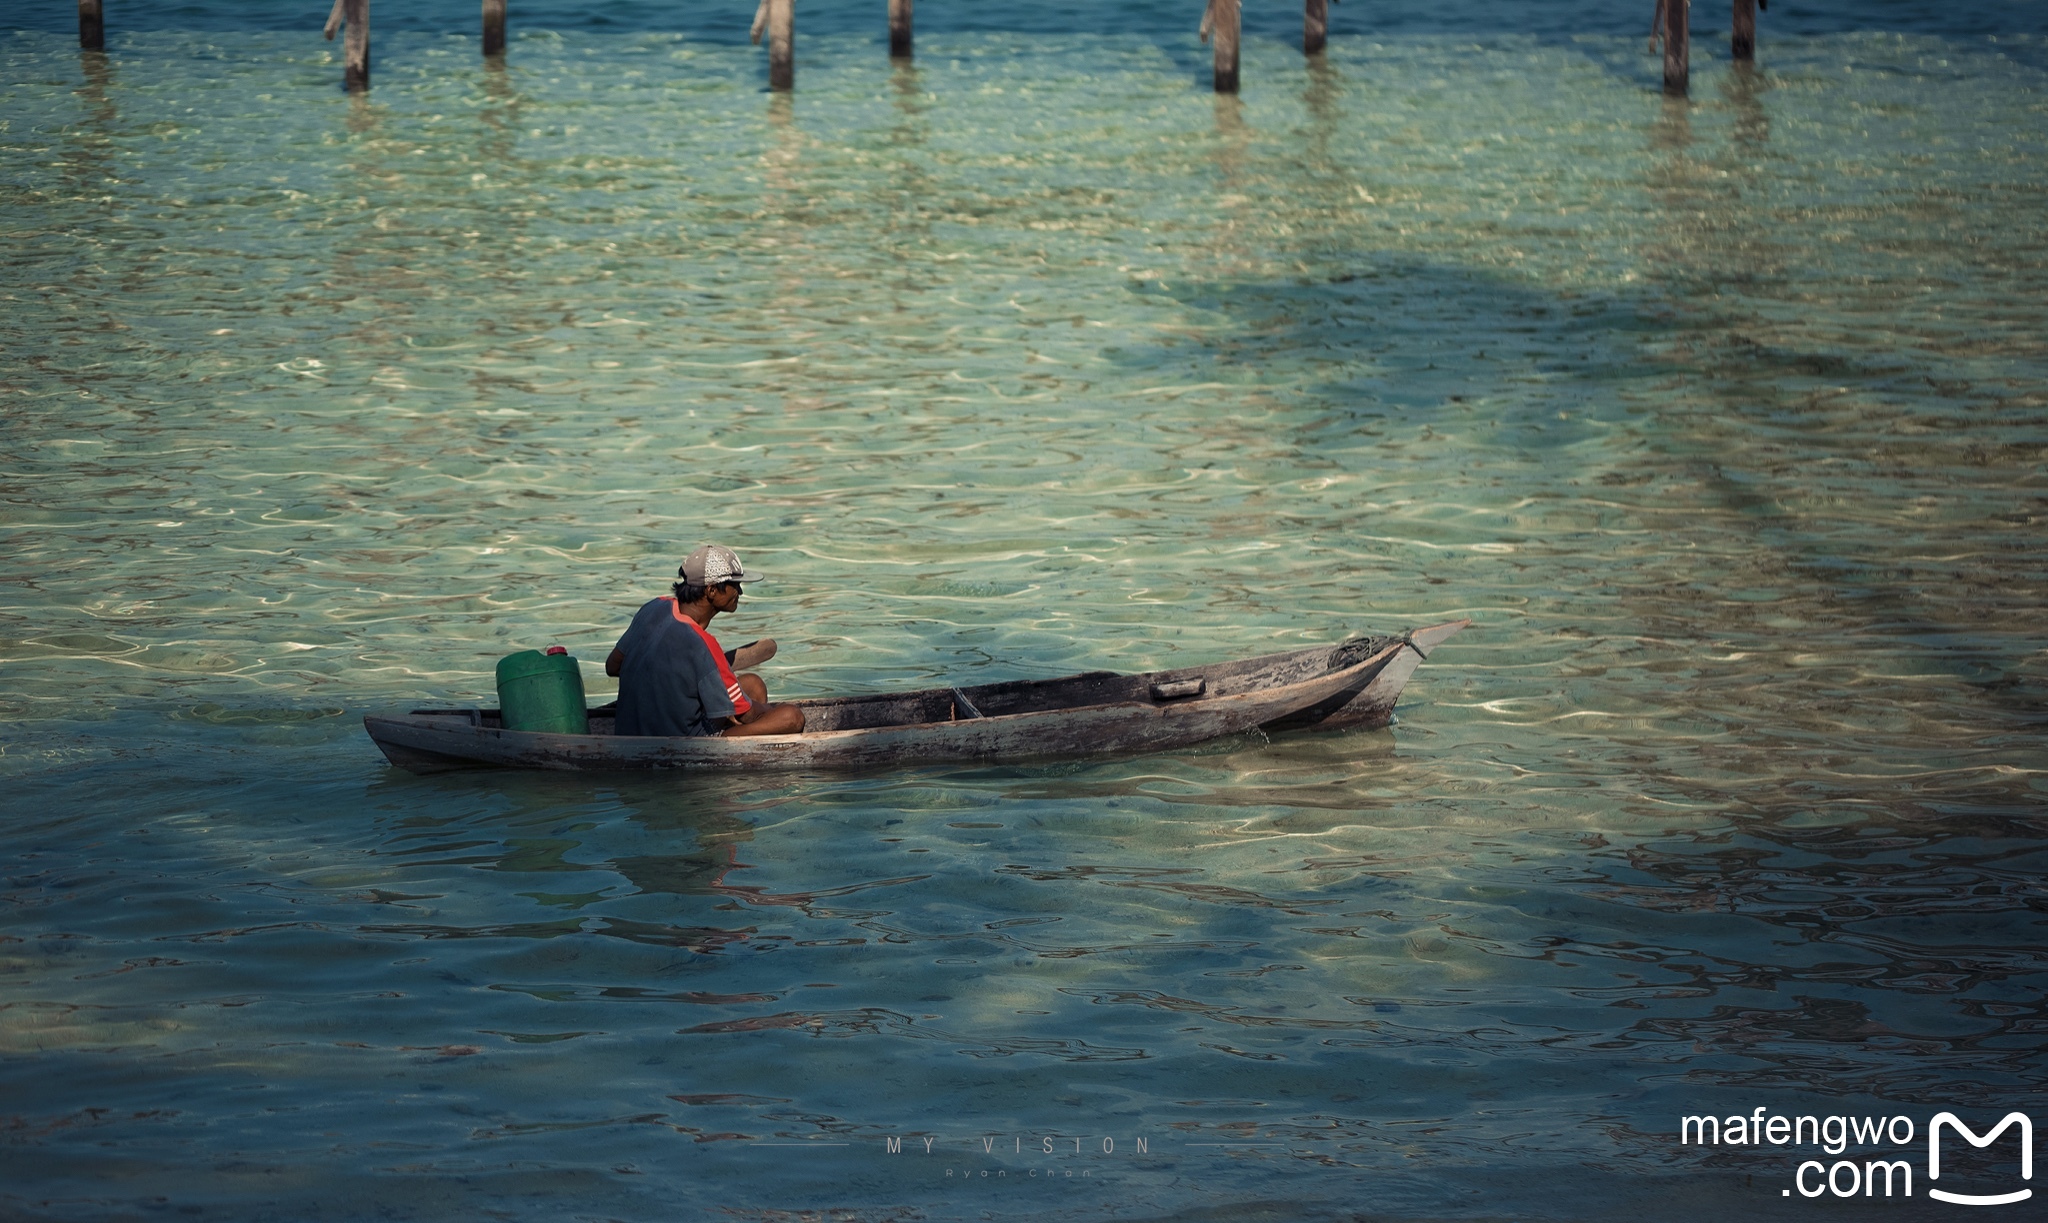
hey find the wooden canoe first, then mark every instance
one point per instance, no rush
(1353, 684)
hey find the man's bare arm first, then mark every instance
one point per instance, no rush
(751, 655)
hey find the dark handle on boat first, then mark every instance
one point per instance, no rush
(1178, 688)
(962, 705)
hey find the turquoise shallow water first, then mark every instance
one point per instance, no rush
(1723, 420)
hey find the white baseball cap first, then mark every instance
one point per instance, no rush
(713, 565)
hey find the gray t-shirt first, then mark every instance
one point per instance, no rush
(673, 680)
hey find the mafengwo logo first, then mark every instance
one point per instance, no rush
(1848, 1178)
(1964, 1199)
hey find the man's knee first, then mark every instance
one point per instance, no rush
(755, 688)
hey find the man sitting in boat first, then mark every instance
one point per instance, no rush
(673, 677)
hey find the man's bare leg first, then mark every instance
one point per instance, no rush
(763, 718)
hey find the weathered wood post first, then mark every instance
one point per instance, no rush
(781, 44)
(92, 26)
(1677, 46)
(355, 48)
(1743, 43)
(1224, 22)
(899, 29)
(494, 27)
(1315, 26)
(778, 17)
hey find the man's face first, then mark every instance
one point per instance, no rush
(725, 596)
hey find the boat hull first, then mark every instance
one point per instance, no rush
(1096, 714)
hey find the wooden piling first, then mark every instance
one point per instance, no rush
(1222, 25)
(355, 45)
(1677, 47)
(1229, 33)
(1315, 26)
(494, 27)
(899, 29)
(781, 44)
(778, 19)
(92, 26)
(1743, 44)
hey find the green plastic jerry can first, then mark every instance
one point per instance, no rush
(542, 692)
